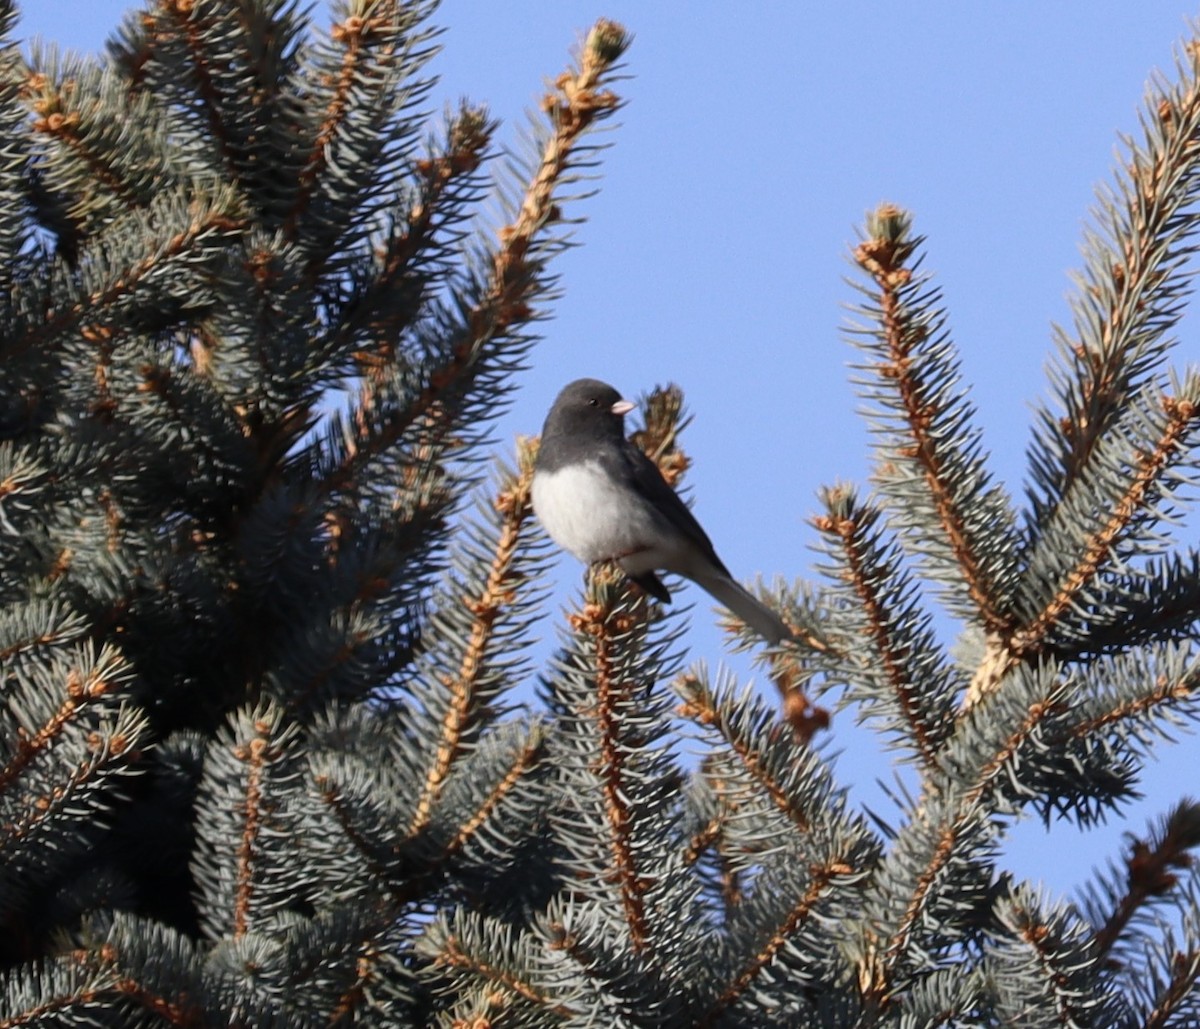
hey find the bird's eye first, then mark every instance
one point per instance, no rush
(594, 402)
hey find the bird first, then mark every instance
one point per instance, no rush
(601, 499)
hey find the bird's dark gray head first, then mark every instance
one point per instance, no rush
(587, 409)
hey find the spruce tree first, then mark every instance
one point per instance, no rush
(265, 612)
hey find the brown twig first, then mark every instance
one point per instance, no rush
(1185, 971)
(255, 755)
(845, 529)
(80, 690)
(576, 103)
(1152, 869)
(1135, 278)
(1005, 653)
(821, 877)
(525, 760)
(884, 259)
(513, 504)
(887, 958)
(452, 956)
(72, 317)
(699, 707)
(602, 625)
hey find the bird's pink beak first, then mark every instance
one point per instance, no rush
(622, 407)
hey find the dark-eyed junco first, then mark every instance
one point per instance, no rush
(600, 498)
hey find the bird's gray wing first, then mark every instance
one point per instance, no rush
(647, 481)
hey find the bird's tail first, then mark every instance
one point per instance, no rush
(747, 607)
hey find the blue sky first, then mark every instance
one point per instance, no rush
(756, 136)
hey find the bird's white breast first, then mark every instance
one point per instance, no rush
(590, 516)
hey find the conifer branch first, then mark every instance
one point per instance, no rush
(84, 752)
(891, 953)
(1185, 973)
(701, 707)
(45, 1013)
(847, 532)
(172, 1012)
(352, 998)
(732, 889)
(1130, 292)
(948, 834)
(601, 625)
(60, 119)
(211, 226)
(1033, 930)
(249, 793)
(134, 57)
(102, 967)
(334, 799)
(14, 159)
(820, 878)
(105, 405)
(254, 755)
(1181, 419)
(195, 35)
(713, 834)
(361, 81)
(1158, 602)
(1042, 956)
(355, 640)
(523, 762)
(1134, 709)
(514, 506)
(877, 585)
(388, 302)
(31, 644)
(450, 954)
(577, 103)
(707, 836)
(22, 479)
(1152, 869)
(664, 418)
(129, 972)
(952, 474)
(1029, 641)
(1035, 716)
(486, 1008)
(108, 674)
(119, 741)
(352, 35)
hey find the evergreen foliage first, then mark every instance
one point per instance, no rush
(262, 615)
